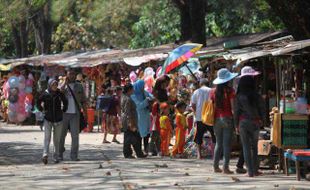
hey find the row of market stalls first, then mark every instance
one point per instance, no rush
(285, 79)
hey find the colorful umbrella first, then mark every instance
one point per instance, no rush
(179, 56)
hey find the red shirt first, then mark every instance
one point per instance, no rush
(156, 116)
(226, 110)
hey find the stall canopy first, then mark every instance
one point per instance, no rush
(236, 48)
(248, 54)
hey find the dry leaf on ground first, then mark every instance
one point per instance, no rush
(108, 173)
(235, 179)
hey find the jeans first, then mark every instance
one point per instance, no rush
(57, 127)
(223, 130)
(249, 133)
(240, 162)
(72, 121)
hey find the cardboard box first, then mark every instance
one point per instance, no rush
(264, 147)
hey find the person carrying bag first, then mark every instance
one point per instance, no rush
(208, 110)
(83, 122)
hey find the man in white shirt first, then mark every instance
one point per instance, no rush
(198, 98)
(71, 118)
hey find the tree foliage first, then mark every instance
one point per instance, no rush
(240, 17)
(45, 26)
(158, 24)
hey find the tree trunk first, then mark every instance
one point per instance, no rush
(20, 36)
(295, 15)
(43, 27)
(16, 37)
(24, 38)
(197, 15)
(185, 23)
(193, 25)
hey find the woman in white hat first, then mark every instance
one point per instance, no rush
(223, 127)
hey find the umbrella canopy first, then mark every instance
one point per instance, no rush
(179, 56)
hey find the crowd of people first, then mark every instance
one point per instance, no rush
(152, 118)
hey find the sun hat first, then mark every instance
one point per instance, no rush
(248, 71)
(223, 76)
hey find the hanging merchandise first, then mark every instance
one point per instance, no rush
(54, 71)
(133, 77)
(20, 97)
(93, 89)
(87, 88)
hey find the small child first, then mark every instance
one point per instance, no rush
(165, 129)
(180, 130)
(155, 130)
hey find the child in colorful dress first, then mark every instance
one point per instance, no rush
(165, 129)
(180, 130)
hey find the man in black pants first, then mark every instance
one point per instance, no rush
(199, 97)
(129, 119)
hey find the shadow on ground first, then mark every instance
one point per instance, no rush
(21, 153)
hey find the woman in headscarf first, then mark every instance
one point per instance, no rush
(142, 100)
(50, 102)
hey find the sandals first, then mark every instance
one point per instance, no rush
(258, 173)
(116, 141)
(218, 170)
(45, 160)
(227, 171)
(105, 142)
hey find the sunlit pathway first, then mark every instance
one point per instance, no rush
(103, 167)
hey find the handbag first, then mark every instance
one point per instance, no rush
(208, 112)
(83, 123)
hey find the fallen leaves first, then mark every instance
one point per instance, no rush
(161, 166)
(235, 179)
(292, 188)
(108, 173)
(276, 185)
(130, 186)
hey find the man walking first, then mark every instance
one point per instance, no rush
(74, 92)
(54, 104)
(129, 120)
(199, 97)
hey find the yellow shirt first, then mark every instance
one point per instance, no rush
(164, 122)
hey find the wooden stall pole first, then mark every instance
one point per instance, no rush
(278, 93)
(265, 90)
(277, 63)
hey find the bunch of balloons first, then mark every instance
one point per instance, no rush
(133, 77)
(149, 79)
(20, 97)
